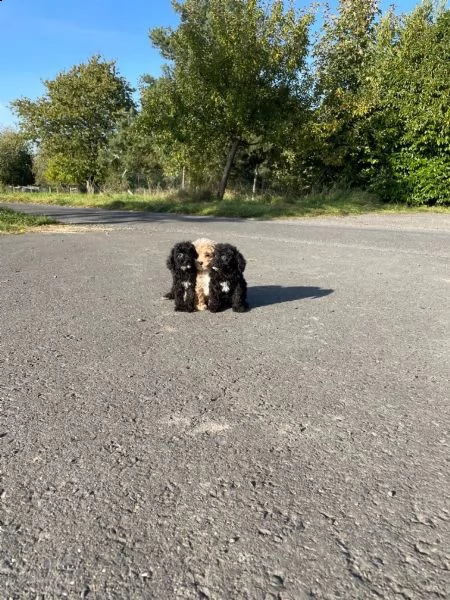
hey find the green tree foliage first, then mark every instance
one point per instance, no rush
(75, 118)
(40, 163)
(131, 158)
(418, 94)
(342, 56)
(163, 125)
(407, 96)
(15, 159)
(377, 129)
(343, 49)
(235, 74)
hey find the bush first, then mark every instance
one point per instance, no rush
(428, 181)
(15, 159)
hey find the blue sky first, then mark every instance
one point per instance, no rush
(40, 38)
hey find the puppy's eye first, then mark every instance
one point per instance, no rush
(180, 255)
(207, 255)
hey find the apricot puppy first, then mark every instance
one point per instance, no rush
(205, 251)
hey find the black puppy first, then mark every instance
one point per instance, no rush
(181, 262)
(227, 284)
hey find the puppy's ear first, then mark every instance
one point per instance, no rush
(171, 260)
(241, 262)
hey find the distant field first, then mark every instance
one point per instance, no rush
(263, 207)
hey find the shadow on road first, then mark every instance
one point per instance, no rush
(265, 295)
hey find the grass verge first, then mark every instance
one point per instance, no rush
(17, 222)
(333, 203)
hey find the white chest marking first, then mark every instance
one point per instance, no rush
(203, 280)
(186, 284)
(225, 286)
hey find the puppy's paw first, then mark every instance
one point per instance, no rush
(181, 308)
(240, 308)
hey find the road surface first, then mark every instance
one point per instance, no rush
(297, 451)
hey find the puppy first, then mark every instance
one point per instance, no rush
(205, 251)
(227, 286)
(181, 262)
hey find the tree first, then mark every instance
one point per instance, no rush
(342, 57)
(420, 95)
(407, 126)
(75, 118)
(131, 158)
(15, 159)
(235, 73)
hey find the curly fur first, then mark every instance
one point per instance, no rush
(205, 251)
(227, 286)
(181, 262)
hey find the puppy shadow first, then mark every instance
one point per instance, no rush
(265, 295)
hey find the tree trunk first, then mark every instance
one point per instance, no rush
(255, 181)
(90, 186)
(230, 159)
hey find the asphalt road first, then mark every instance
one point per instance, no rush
(297, 451)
